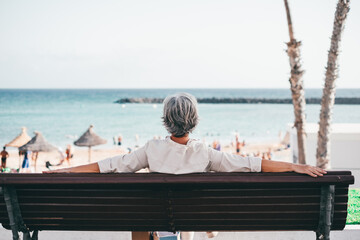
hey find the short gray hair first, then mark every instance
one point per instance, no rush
(180, 114)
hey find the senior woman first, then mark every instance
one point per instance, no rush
(179, 154)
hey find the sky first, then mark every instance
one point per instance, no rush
(169, 44)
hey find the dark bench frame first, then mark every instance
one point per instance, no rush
(192, 202)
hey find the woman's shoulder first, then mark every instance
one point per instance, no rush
(155, 143)
(193, 143)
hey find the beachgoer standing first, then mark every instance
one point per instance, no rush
(4, 156)
(119, 140)
(69, 153)
(26, 162)
(238, 145)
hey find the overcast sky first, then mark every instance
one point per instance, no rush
(169, 44)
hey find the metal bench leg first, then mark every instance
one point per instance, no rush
(28, 236)
(35, 235)
(11, 214)
(16, 221)
(326, 212)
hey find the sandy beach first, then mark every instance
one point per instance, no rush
(81, 155)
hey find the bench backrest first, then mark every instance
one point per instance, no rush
(193, 202)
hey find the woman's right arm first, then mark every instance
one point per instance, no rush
(88, 168)
(130, 162)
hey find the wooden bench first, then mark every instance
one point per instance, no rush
(161, 202)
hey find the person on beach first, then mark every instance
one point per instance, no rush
(69, 153)
(62, 157)
(179, 154)
(217, 145)
(119, 140)
(26, 162)
(237, 145)
(4, 155)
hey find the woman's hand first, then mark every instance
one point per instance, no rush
(61, 170)
(309, 170)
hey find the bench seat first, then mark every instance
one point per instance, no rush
(162, 202)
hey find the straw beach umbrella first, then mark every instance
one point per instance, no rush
(89, 139)
(19, 141)
(38, 144)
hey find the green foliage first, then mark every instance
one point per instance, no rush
(353, 207)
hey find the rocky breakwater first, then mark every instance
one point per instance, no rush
(241, 100)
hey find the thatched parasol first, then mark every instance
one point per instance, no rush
(19, 141)
(38, 144)
(89, 139)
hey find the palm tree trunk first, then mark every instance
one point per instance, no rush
(297, 90)
(327, 101)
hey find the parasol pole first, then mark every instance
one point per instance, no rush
(19, 160)
(89, 154)
(35, 160)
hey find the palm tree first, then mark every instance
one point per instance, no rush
(328, 98)
(296, 85)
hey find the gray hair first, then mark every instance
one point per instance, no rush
(180, 114)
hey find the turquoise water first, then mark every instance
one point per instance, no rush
(62, 115)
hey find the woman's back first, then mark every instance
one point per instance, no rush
(167, 156)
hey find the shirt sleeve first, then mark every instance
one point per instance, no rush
(131, 162)
(227, 162)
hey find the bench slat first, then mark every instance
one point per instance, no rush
(179, 208)
(335, 177)
(179, 192)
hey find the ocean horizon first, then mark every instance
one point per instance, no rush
(62, 115)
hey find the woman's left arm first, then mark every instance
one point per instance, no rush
(276, 166)
(227, 162)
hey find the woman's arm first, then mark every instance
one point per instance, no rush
(130, 162)
(88, 168)
(276, 166)
(226, 162)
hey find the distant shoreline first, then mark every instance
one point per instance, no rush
(340, 100)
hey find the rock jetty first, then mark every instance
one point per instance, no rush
(242, 100)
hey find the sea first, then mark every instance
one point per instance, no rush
(63, 115)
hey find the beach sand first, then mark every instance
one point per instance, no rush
(278, 150)
(81, 155)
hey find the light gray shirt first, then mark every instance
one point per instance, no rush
(167, 156)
